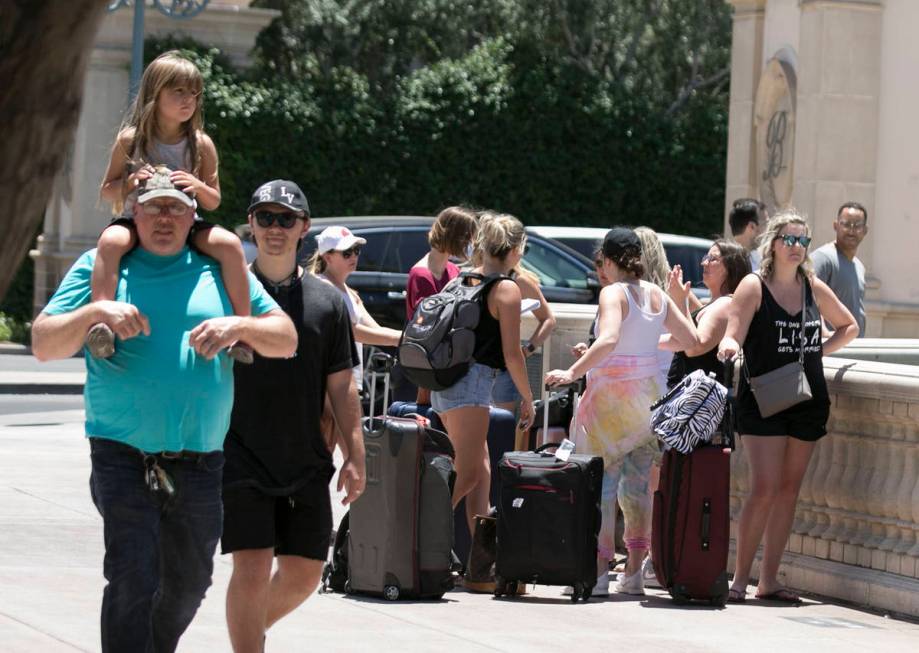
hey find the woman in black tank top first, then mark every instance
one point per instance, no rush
(765, 320)
(723, 267)
(464, 407)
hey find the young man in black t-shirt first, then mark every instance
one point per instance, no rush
(278, 467)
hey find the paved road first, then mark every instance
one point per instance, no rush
(51, 585)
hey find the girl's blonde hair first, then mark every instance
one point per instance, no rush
(169, 70)
(653, 257)
(498, 235)
(773, 228)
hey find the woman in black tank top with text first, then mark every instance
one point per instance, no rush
(765, 320)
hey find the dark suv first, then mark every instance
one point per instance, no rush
(396, 243)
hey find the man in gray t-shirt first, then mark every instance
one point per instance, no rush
(836, 264)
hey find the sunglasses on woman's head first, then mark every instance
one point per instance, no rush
(790, 240)
(352, 251)
(285, 220)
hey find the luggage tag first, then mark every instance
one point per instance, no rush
(564, 450)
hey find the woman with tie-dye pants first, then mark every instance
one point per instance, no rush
(623, 380)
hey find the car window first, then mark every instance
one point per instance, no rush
(689, 257)
(583, 246)
(373, 253)
(551, 268)
(405, 249)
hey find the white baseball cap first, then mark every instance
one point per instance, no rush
(338, 239)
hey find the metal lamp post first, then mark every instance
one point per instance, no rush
(178, 9)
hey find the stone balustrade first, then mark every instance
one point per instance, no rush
(856, 531)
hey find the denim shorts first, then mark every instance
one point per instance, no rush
(474, 389)
(504, 391)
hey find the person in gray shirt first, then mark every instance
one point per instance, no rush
(837, 266)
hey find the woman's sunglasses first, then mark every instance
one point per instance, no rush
(285, 220)
(790, 240)
(353, 251)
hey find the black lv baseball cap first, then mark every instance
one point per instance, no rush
(283, 192)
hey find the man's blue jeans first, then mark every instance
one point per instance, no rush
(159, 551)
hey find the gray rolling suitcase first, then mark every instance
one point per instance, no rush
(400, 540)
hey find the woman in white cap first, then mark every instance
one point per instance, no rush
(333, 261)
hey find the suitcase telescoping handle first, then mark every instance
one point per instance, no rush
(380, 363)
(577, 386)
(727, 422)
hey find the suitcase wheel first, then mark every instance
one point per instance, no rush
(579, 591)
(347, 587)
(391, 593)
(500, 586)
(512, 588)
(719, 601)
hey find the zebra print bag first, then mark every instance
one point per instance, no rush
(690, 413)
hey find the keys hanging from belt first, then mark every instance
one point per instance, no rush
(156, 477)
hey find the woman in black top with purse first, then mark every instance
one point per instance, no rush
(723, 267)
(782, 399)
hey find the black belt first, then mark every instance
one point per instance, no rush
(184, 455)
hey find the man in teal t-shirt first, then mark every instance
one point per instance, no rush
(157, 412)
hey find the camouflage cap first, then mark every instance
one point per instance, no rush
(160, 185)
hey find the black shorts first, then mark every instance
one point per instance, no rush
(299, 524)
(806, 421)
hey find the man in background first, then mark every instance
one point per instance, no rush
(837, 265)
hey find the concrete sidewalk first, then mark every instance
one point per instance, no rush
(51, 585)
(22, 373)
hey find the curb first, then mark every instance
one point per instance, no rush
(41, 388)
(15, 348)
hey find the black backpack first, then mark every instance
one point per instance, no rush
(438, 343)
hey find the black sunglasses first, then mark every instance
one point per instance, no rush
(790, 240)
(354, 251)
(285, 220)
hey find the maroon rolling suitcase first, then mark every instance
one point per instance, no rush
(691, 526)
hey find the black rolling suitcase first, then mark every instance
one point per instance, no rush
(548, 521)
(400, 532)
(691, 526)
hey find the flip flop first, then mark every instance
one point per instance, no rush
(736, 596)
(782, 595)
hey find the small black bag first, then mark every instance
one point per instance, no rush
(335, 572)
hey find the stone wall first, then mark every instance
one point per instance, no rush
(856, 531)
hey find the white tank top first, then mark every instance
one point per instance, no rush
(642, 327)
(359, 315)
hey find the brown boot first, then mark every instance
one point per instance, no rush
(480, 571)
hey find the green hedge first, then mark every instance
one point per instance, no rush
(498, 128)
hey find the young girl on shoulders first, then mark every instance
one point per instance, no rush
(165, 127)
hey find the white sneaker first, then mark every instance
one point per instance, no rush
(648, 577)
(602, 586)
(630, 584)
(600, 589)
